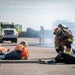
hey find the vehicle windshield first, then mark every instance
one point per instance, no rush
(9, 32)
(8, 26)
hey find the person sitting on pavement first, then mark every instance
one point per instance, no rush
(19, 52)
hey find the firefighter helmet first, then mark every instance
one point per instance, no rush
(57, 31)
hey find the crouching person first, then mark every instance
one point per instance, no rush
(19, 52)
(63, 38)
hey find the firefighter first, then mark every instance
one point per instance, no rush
(63, 39)
(42, 35)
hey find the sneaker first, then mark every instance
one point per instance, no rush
(42, 62)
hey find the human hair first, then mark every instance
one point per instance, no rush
(24, 43)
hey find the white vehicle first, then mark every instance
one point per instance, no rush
(8, 32)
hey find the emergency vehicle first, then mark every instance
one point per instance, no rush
(9, 31)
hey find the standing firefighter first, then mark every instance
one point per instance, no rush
(42, 35)
(63, 37)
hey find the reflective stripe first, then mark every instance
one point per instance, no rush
(70, 40)
(56, 47)
(67, 52)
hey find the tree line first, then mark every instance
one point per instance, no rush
(31, 33)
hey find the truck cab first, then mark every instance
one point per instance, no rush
(9, 32)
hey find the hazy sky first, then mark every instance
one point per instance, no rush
(36, 13)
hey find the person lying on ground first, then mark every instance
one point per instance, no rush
(61, 58)
(65, 58)
(19, 52)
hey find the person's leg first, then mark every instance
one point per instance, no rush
(10, 55)
(13, 55)
(43, 40)
(60, 49)
(40, 40)
(18, 54)
(68, 47)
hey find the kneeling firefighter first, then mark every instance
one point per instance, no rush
(63, 38)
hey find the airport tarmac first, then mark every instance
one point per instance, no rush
(36, 52)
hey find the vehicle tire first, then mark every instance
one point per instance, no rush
(12, 41)
(1, 41)
(15, 40)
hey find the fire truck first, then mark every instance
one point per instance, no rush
(9, 31)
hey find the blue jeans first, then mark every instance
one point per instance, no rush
(2, 57)
(13, 55)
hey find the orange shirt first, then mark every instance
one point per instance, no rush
(24, 53)
(3, 49)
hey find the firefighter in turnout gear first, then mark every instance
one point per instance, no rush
(42, 36)
(63, 39)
